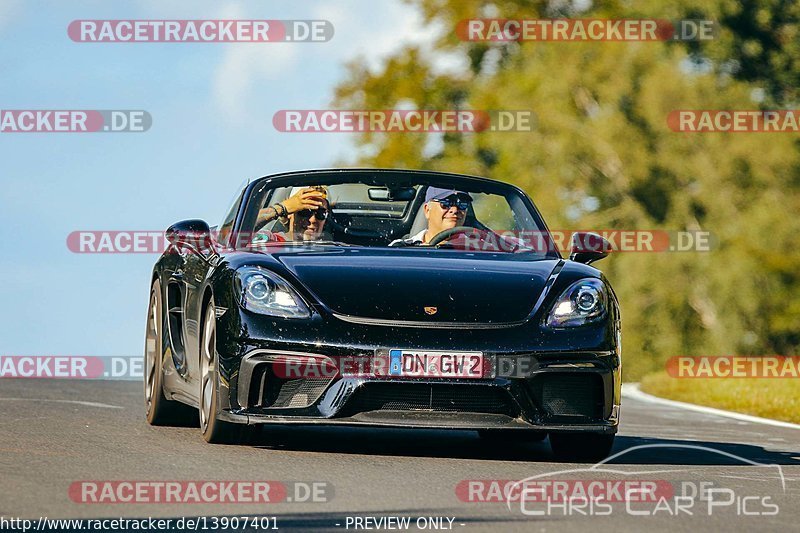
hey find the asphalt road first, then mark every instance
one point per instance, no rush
(56, 432)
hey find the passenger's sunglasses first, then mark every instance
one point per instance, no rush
(447, 203)
(320, 213)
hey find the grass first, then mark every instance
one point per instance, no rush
(776, 398)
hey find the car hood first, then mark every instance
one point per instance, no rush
(433, 286)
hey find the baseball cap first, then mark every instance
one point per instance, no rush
(320, 188)
(437, 193)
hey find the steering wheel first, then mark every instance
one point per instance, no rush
(446, 234)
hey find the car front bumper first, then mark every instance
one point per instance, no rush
(541, 380)
(564, 393)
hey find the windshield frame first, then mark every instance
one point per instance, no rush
(255, 191)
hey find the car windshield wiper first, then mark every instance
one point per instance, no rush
(262, 244)
(334, 243)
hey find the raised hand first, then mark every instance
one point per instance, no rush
(305, 199)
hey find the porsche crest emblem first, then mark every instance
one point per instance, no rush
(431, 310)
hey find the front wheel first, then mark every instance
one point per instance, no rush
(214, 430)
(581, 447)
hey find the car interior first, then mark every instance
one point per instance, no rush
(374, 219)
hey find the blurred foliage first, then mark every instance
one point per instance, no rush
(602, 156)
(776, 398)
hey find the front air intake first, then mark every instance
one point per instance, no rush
(569, 395)
(432, 398)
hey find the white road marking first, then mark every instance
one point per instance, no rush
(76, 402)
(750, 478)
(631, 390)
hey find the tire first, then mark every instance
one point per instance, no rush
(500, 436)
(215, 431)
(581, 447)
(158, 410)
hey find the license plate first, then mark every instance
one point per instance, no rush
(427, 364)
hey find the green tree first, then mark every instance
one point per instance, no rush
(602, 156)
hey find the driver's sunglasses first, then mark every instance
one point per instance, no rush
(321, 213)
(447, 203)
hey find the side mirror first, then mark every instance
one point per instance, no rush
(588, 247)
(191, 232)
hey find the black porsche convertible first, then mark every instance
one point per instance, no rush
(380, 297)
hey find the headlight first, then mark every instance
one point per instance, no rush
(582, 303)
(263, 292)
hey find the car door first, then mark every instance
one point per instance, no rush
(188, 266)
(198, 264)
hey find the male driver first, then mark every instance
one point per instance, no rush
(444, 209)
(305, 212)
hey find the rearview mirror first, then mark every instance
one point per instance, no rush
(396, 194)
(588, 247)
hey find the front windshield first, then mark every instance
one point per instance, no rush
(467, 215)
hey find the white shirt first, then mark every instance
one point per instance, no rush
(419, 238)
